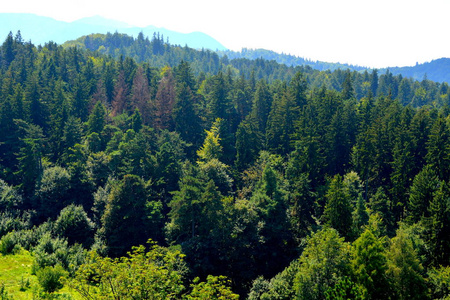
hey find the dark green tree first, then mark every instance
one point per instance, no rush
(438, 226)
(130, 217)
(97, 119)
(438, 147)
(425, 184)
(338, 208)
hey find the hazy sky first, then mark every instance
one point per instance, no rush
(369, 33)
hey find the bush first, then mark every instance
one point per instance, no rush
(8, 244)
(9, 198)
(10, 221)
(49, 278)
(52, 194)
(55, 251)
(74, 224)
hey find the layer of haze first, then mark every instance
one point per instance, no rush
(368, 33)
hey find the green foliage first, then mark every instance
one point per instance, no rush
(50, 252)
(156, 274)
(439, 282)
(281, 286)
(338, 209)
(438, 225)
(100, 134)
(8, 244)
(404, 268)
(215, 287)
(130, 217)
(422, 190)
(211, 148)
(74, 224)
(323, 263)
(344, 289)
(96, 120)
(53, 192)
(49, 278)
(369, 266)
(9, 198)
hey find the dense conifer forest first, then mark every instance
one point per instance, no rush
(236, 177)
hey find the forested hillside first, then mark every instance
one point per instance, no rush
(436, 70)
(249, 177)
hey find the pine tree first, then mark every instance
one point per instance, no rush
(130, 218)
(140, 96)
(369, 265)
(96, 121)
(404, 268)
(421, 194)
(262, 102)
(438, 225)
(248, 143)
(184, 114)
(338, 209)
(438, 146)
(165, 100)
(120, 102)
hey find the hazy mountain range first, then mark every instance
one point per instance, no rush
(40, 30)
(43, 29)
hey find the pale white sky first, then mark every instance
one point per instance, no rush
(372, 33)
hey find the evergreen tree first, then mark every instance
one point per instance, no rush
(369, 266)
(323, 263)
(96, 121)
(164, 101)
(338, 209)
(30, 159)
(404, 268)
(185, 117)
(421, 194)
(140, 96)
(262, 102)
(438, 226)
(248, 143)
(438, 146)
(120, 102)
(130, 218)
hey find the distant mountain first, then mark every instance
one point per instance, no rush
(287, 59)
(43, 29)
(437, 70)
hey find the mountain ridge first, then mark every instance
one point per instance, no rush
(436, 70)
(41, 30)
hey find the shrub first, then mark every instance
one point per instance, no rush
(8, 244)
(49, 278)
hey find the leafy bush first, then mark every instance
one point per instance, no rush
(8, 244)
(52, 193)
(215, 287)
(9, 198)
(30, 238)
(439, 282)
(74, 224)
(55, 251)
(10, 221)
(49, 278)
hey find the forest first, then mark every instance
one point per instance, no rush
(131, 168)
